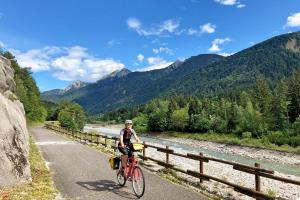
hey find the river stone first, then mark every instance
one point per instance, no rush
(14, 144)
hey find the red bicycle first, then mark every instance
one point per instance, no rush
(133, 173)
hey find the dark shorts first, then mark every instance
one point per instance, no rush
(127, 150)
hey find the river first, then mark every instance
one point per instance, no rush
(179, 145)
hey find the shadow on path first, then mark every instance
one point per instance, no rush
(106, 185)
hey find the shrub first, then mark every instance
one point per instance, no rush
(278, 138)
(141, 123)
(157, 121)
(296, 127)
(246, 135)
(218, 124)
(72, 116)
(200, 123)
(179, 119)
(295, 141)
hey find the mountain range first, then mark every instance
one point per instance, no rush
(202, 75)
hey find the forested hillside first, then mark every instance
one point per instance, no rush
(275, 59)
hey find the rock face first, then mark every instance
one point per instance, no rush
(14, 138)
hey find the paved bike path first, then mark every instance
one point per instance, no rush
(80, 172)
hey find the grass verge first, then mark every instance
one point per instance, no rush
(41, 187)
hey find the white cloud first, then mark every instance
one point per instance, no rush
(155, 63)
(205, 28)
(208, 28)
(68, 63)
(215, 45)
(293, 20)
(231, 3)
(113, 42)
(140, 57)
(241, 6)
(170, 25)
(225, 54)
(227, 2)
(37, 59)
(163, 49)
(166, 27)
(133, 23)
(158, 42)
(192, 31)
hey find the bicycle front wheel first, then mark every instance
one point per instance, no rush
(138, 181)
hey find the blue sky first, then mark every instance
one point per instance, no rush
(67, 40)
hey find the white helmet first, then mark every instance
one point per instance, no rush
(128, 121)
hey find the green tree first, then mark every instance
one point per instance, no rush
(279, 107)
(158, 120)
(262, 95)
(180, 119)
(294, 95)
(194, 107)
(72, 116)
(250, 120)
(141, 122)
(200, 122)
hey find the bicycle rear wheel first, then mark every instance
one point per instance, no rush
(138, 181)
(121, 176)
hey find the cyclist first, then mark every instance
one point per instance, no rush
(125, 145)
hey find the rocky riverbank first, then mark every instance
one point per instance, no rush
(255, 153)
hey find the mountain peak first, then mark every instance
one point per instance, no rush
(176, 64)
(74, 85)
(118, 73)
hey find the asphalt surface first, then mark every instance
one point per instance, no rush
(80, 172)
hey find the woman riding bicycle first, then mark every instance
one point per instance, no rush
(125, 145)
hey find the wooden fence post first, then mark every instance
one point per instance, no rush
(201, 167)
(167, 155)
(257, 179)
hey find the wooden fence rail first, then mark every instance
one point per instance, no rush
(256, 170)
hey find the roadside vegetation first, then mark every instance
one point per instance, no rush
(41, 186)
(69, 115)
(264, 115)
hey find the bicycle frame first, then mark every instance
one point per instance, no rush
(129, 168)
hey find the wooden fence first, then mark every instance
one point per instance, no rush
(256, 170)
